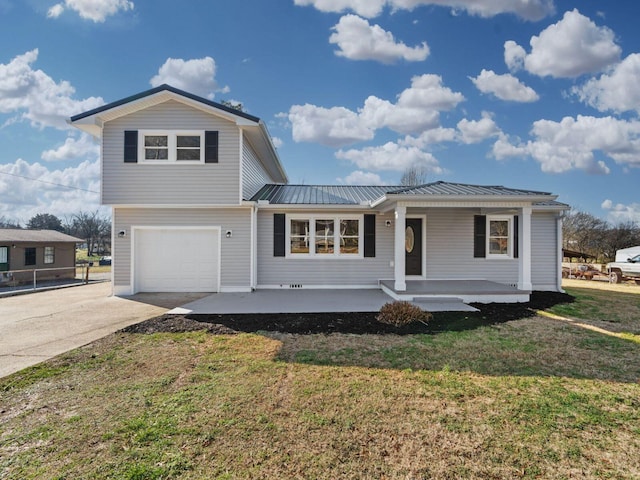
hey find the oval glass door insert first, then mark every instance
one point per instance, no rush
(409, 239)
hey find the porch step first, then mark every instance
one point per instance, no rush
(442, 304)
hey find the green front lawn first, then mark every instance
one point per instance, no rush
(531, 398)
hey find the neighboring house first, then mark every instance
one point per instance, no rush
(201, 203)
(50, 252)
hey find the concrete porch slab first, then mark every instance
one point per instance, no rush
(288, 301)
(443, 304)
(469, 291)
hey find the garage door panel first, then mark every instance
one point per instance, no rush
(177, 260)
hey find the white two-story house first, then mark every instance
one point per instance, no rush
(201, 203)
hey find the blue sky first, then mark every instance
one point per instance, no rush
(536, 94)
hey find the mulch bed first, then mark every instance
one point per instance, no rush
(348, 322)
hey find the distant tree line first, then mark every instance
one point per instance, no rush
(93, 228)
(585, 233)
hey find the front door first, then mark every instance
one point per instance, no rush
(413, 247)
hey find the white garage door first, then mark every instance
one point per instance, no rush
(176, 260)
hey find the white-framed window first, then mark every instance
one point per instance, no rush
(4, 259)
(499, 236)
(49, 255)
(324, 236)
(170, 146)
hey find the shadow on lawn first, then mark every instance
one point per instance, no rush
(349, 322)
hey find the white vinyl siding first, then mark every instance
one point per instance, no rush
(450, 249)
(235, 259)
(332, 271)
(145, 184)
(544, 250)
(254, 176)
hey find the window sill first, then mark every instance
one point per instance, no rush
(294, 256)
(168, 163)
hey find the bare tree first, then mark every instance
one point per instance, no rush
(620, 236)
(414, 176)
(584, 232)
(234, 106)
(8, 223)
(94, 229)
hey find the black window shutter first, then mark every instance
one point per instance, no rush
(131, 146)
(210, 147)
(516, 236)
(369, 235)
(479, 236)
(278, 235)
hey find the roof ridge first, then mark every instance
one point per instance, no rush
(158, 89)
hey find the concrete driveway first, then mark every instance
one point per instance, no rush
(38, 326)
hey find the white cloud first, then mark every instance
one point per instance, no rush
(573, 143)
(378, 113)
(505, 87)
(430, 137)
(514, 55)
(475, 131)
(621, 213)
(390, 156)
(570, 48)
(197, 76)
(334, 127)
(95, 10)
(40, 191)
(277, 142)
(504, 148)
(36, 97)
(365, 8)
(417, 109)
(528, 9)
(358, 40)
(73, 148)
(617, 90)
(358, 177)
(55, 11)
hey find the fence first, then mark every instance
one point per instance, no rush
(41, 277)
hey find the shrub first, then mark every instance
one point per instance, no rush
(402, 313)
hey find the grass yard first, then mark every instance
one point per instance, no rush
(82, 256)
(555, 396)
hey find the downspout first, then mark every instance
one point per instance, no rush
(113, 248)
(254, 247)
(559, 222)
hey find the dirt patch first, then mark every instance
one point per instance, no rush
(348, 322)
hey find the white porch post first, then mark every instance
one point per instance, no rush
(524, 260)
(399, 256)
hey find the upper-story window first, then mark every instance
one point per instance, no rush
(173, 146)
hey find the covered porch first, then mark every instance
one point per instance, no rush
(478, 251)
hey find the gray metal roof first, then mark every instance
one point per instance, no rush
(35, 236)
(356, 194)
(320, 194)
(447, 188)
(552, 204)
